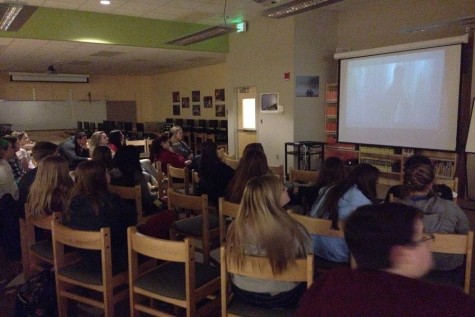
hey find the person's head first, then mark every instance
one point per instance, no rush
(13, 141)
(91, 181)
(127, 159)
(332, 171)
(389, 237)
(116, 137)
(80, 138)
(103, 154)
(7, 150)
(51, 186)
(22, 137)
(42, 149)
(158, 145)
(252, 164)
(98, 138)
(416, 160)
(364, 177)
(261, 211)
(253, 147)
(209, 158)
(176, 133)
(418, 178)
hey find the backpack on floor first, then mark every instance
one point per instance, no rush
(37, 297)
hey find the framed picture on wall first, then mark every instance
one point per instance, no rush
(220, 110)
(208, 101)
(176, 96)
(176, 110)
(195, 96)
(219, 94)
(185, 102)
(196, 110)
(306, 86)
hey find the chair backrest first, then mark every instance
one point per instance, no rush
(231, 162)
(178, 173)
(456, 244)
(260, 268)
(320, 227)
(278, 171)
(140, 143)
(296, 175)
(130, 193)
(226, 210)
(177, 201)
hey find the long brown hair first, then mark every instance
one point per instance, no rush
(252, 164)
(51, 186)
(261, 215)
(91, 181)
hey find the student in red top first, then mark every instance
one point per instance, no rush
(161, 151)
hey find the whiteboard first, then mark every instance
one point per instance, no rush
(50, 115)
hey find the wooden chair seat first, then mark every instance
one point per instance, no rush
(194, 225)
(43, 249)
(238, 307)
(169, 279)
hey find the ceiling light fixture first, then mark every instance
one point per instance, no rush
(202, 35)
(295, 7)
(10, 15)
(105, 2)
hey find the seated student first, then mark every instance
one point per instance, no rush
(440, 215)
(441, 190)
(391, 252)
(160, 151)
(92, 207)
(263, 228)
(116, 140)
(213, 173)
(75, 149)
(98, 138)
(15, 163)
(40, 150)
(22, 153)
(337, 203)
(178, 145)
(9, 202)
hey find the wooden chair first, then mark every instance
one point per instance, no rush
(454, 244)
(179, 281)
(231, 162)
(259, 268)
(72, 277)
(162, 179)
(302, 176)
(195, 179)
(278, 171)
(321, 227)
(175, 174)
(130, 193)
(227, 210)
(143, 144)
(201, 226)
(36, 255)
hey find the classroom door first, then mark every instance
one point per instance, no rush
(246, 116)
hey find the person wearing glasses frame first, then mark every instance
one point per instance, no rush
(392, 254)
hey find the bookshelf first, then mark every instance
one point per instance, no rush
(389, 160)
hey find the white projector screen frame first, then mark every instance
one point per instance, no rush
(418, 111)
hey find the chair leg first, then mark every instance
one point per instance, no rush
(62, 302)
(108, 304)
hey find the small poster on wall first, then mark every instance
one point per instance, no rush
(219, 94)
(185, 102)
(195, 96)
(208, 101)
(220, 110)
(306, 86)
(176, 96)
(196, 110)
(176, 110)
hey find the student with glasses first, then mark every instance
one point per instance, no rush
(392, 253)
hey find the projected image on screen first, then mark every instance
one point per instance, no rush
(401, 99)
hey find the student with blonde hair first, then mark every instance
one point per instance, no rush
(263, 228)
(98, 138)
(51, 187)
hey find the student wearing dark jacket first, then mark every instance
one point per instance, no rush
(75, 149)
